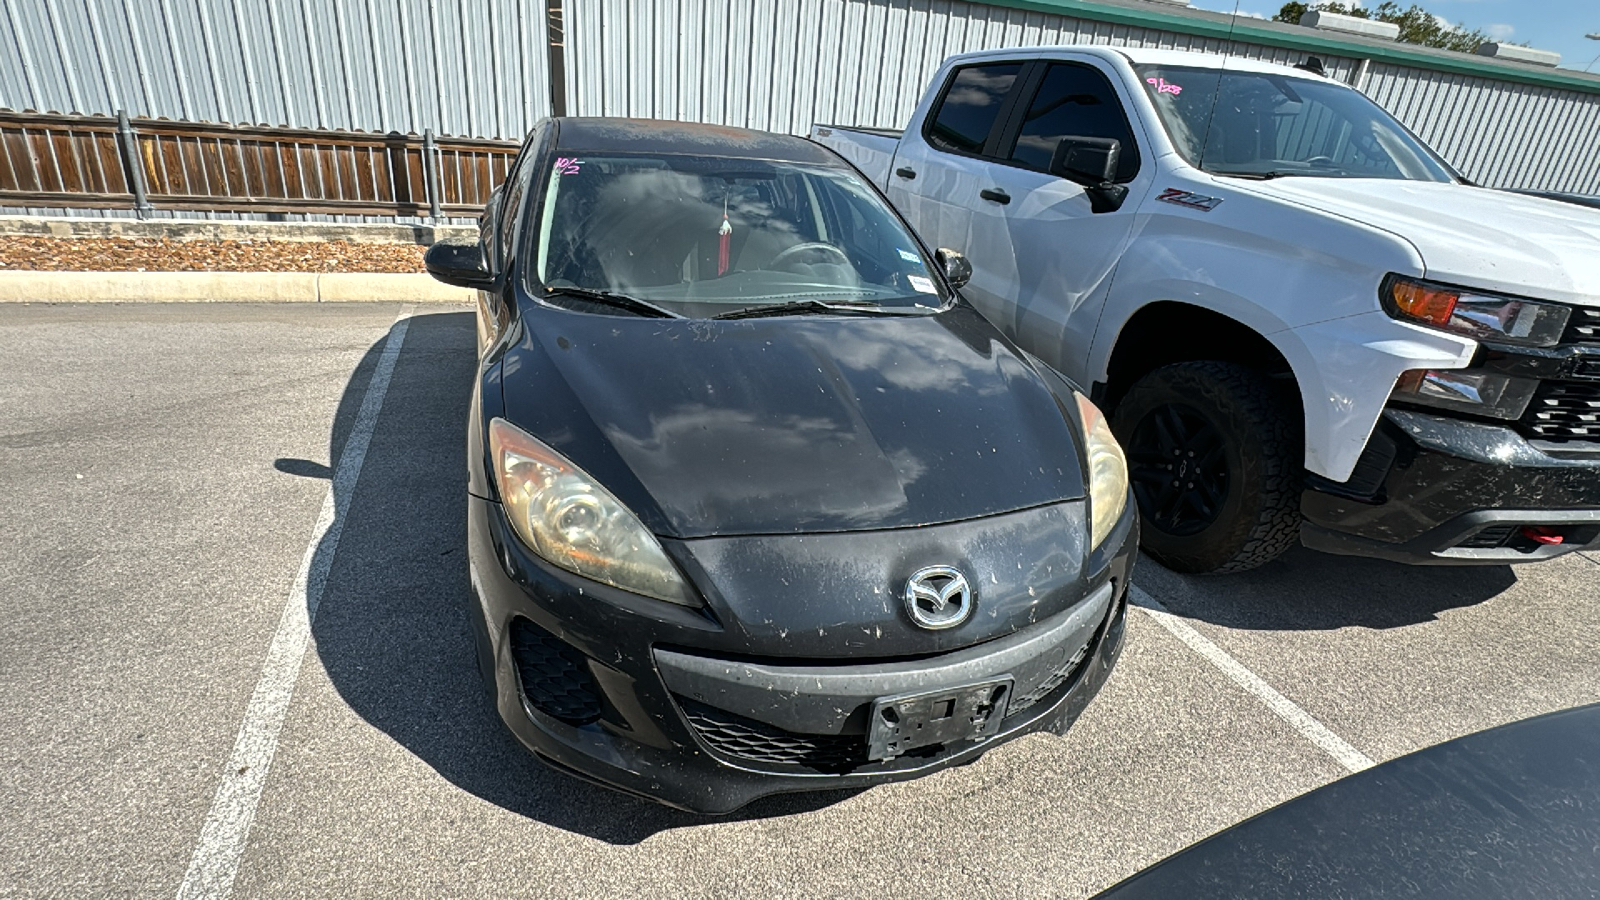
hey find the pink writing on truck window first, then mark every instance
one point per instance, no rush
(566, 165)
(1162, 87)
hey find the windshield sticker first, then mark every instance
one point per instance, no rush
(1163, 87)
(925, 285)
(1193, 201)
(567, 165)
(908, 256)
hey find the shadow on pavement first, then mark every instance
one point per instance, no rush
(1306, 590)
(391, 628)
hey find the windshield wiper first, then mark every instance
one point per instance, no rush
(1262, 176)
(804, 307)
(612, 298)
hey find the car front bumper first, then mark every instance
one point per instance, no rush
(1434, 489)
(648, 698)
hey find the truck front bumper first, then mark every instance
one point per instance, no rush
(1434, 489)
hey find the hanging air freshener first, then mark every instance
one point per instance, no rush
(724, 239)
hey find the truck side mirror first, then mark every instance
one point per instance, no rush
(957, 269)
(458, 262)
(1091, 162)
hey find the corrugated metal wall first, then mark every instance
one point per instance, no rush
(782, 65)
(785, 64)
(479, 68)
(1498, 134)
(471, 68)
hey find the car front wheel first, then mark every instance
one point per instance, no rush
(1214, 458)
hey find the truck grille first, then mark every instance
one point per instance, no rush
(1583, 327)
(1564, 411)
(743, 738)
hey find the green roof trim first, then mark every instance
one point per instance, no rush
(1255, 31)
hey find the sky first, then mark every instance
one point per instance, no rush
(1558, 25)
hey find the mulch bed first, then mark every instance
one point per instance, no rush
(49, 254)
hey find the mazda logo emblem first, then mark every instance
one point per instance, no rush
(938, 597)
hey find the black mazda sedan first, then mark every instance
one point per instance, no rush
(757, 502)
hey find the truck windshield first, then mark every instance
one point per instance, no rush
(705, 236)
(1256, 124)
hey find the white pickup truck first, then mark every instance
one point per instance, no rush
(1305, 324)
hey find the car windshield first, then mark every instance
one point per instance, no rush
(1268, 125)
(705, 236)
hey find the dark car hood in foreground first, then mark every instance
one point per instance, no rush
(794, 423)
(1509, 812)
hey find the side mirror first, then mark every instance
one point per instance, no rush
(957, 269)
(1091, 162)
(458, 262)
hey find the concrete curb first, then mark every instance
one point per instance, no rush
(237, 287)
(229, 230)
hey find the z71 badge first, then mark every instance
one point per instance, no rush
(1193, 201)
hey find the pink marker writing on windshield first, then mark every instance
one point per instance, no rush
(1162, 87)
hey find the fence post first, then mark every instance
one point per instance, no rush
(556, 55)
(430, 163)
(132, 165)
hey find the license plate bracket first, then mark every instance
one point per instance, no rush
(903, 722)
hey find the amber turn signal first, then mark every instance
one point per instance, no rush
(1424, 302)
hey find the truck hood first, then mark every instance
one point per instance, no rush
(795, 424)
(1475, 237)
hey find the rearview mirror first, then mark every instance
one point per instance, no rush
(458, 262)
(957, 270)
(1091, 162)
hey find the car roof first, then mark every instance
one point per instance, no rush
(1145, 56)
(598, 134)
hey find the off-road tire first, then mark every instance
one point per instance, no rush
(1261, 434)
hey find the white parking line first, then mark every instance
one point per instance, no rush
(222, 839)
(1313, 731)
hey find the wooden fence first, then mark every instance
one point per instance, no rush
(117, 163)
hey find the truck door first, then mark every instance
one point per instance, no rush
(941, 168)
(1063, 253)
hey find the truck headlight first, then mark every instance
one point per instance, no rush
(1475, 314)
(1467, 390)
(567, 518)
(1108, 472)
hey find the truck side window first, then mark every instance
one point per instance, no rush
(1074, 100)
(967, 111)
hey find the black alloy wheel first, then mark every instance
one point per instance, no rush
(1177, 466)
(1214, 459)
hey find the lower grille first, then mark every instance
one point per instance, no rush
(1047, 687)
(743, 738)
(1489, 538)
(1564, 411)
(555, 679)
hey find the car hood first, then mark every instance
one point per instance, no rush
(1509, 812)
(795, 423)
(1476, 237)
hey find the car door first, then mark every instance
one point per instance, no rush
(940, 170)
(1064, 255)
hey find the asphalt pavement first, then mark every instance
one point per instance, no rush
(164, 472)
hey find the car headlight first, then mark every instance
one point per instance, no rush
(1475, 314)
(1108, 472)
(571, 521)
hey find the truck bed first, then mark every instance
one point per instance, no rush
(870, 150)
